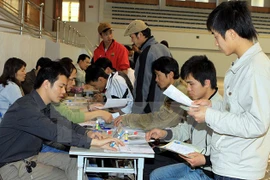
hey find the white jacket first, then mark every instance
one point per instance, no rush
(241, 141)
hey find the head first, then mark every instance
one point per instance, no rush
(51, 82)
(105, 32)
(83, 61)
(42, 62)
(200, 75)
(138, 31)
(96, 77)
(72, 72)
(14, 70)
(165, 43)
(130, 50)
(230, 19)
(105, 64)
(166, 70)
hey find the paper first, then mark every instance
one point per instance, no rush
(113, 103)
(135, 149)
(175, 94)
(181, 148)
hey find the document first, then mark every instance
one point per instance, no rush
(175, 94)
(113, 103)
(181, 148)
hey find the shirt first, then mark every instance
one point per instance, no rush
(25, 126)
(80, 78)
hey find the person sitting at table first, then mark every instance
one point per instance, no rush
(30, 77)
(113, 86)
(31, 120)
(10, 83)
(200, 75)
(167, 73)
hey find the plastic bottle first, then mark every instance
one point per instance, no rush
(126, 136)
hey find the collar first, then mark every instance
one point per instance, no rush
(102, 43)
(246, 57)
(147, 42)
(41, 105)
(216, 90)
(109, 81)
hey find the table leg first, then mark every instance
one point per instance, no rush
(80, 173)
(140, 168)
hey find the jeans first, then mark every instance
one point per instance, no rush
(180, 171)
(218, 177)
(46, 148)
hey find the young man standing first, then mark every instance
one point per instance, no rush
(240, 142)
(82, 63)
(147, 96)
(111, 49)
(200, 75)
(112, 85)
(30, 121)
(167, 73)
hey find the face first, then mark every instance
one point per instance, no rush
(137, 40)
(107, 37)
(225, 45)
(84, 64)
(57, 91)
(100, 84)
(162, 80)
(71, 80)
(20, 74)
(195, 89)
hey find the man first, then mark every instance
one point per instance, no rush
(112, 85)
(111, 49)
(147, 96)
(82, 63)
(200, 75)
(167, 73)
(240, 142)
(32, 119)
(28, 83)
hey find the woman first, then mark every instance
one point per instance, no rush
(10, 83)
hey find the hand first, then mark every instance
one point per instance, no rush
(92, 107)
(106, 116)
(95, 135)
(117, 121)
(202, 102)
(198, 113)
(195, 159)
(105, 143)
(156, 134)
(98, 98)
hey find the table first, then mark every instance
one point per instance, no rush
(95, 152)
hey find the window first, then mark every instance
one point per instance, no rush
(70, 11)
(258, 3)
(202, 1)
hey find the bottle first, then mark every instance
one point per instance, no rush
(126, 136)
(97, 125)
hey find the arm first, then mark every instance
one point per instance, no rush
(122, 59)
(64, 110)
(12, 92)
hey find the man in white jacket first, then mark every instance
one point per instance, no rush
(200, 76)
(240, 142)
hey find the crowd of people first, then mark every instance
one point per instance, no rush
(37, 128)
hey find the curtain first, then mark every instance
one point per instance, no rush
(82, 11)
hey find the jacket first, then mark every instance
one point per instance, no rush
(240, 142)
(167, 116)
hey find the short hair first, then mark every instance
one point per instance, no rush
(11, 66)
(128, 47)
(82, 57)
(93, 72)
(166, 64)
(43, 61)
(146, 33)
(104, 62)
(201, 68)
(164, 42)
(50, 73)
(232, 15)
(66, 62)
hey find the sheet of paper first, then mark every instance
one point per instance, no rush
(175, 94)
(113, 103)
(135, 149)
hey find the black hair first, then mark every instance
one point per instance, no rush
(43, 61)
(93, 72)
(104, 62)
(164, 42)
(146, 33)
(232, 15)
(128, 47)
(82, 57)
(201, 68)
(11, 66)
(166, 64)
(66, 62)
(50, 73)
